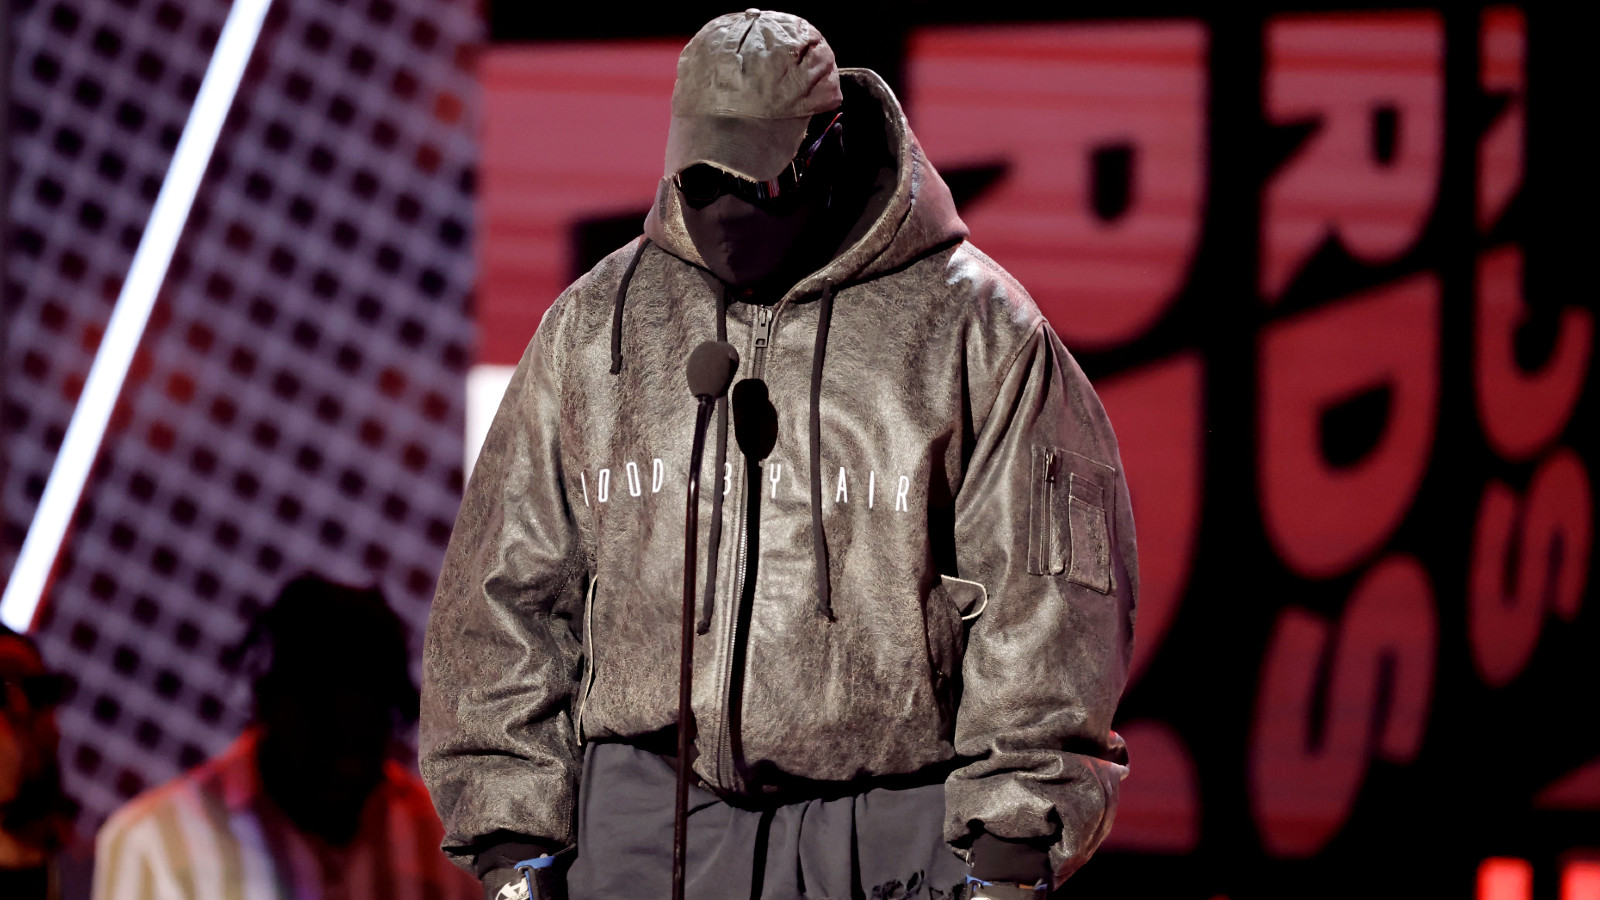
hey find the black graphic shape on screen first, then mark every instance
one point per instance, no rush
(1350, 429)
(1385, 134)
(968, 184)
(593, 239)
(1111, 180)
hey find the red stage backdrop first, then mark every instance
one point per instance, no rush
(1294, 254)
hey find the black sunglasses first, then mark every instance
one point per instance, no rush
(700, 183)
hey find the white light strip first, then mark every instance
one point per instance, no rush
(486, 386)
(100, 391)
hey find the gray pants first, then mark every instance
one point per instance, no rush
(884, 844)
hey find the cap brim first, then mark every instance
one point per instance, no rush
(757, 149)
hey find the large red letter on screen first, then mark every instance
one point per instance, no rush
(1502, 70)
(1158, 812)
(1373, 84)
(1323, 518)
(1549, 554)
(1102, 128)
(1302, 794)
(1523, 411)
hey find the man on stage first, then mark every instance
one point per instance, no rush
(917, 574)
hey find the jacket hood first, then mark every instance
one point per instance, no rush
(910, 211)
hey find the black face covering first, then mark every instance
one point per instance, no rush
(744, 244)
(771, 244)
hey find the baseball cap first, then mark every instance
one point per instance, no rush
(748, 85)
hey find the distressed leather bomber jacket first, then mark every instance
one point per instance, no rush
(938, 579)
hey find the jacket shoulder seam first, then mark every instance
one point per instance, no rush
(1010, 365)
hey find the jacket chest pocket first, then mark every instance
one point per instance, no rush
(1068, 525)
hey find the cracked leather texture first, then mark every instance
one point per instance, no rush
(560, 588)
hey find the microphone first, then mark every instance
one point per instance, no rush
(711, 368)
(710, 371)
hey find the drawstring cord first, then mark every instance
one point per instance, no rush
(709, 601)
(704, 625)
(818, 542)
(616, 310)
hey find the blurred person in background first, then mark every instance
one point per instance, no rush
(308, 803)
(913, 641)
(35, 816)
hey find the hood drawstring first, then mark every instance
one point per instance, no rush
(818, 541)
(704, 625)
(708, 602)
(616, 310)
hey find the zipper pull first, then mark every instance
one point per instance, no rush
(764, 323)
(1050, 466)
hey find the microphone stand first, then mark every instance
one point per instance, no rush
(691, 537)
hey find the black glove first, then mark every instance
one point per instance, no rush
(1015, 862)
(497, 867)
(495, 882)
(548, 884)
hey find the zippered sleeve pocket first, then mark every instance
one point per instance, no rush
(1045, 552)
(1068, 526)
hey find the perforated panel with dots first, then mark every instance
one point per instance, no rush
(296, 402)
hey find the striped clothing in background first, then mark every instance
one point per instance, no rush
(213, 835)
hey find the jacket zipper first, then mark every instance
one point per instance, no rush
(765, 320)
(761, 332)
(1052, 541)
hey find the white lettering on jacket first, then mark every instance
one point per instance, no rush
(633, 472)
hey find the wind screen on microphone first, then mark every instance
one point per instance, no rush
(711, 368)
